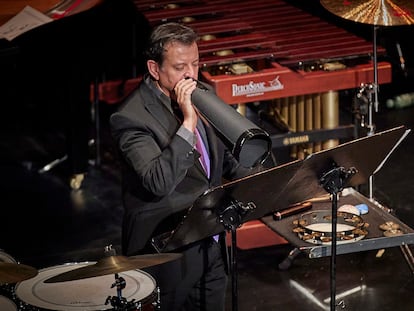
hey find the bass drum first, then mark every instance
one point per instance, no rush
(6, 292)
(87, 294)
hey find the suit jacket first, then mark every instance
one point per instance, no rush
(162, 176)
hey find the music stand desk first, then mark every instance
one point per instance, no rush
(227, 206)
(375, 238)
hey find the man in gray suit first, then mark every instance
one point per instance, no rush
(156, 131)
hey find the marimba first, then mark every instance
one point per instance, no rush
(269, 50)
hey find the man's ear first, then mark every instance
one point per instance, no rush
(153, 69)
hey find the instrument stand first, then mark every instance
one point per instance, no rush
(231, 218)
(333, 182)
(96, 119)
(118, 302)
(365, 96)
(368, 95)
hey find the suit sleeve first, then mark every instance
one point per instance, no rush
(160, 164)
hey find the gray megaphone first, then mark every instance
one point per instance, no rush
(250, 144)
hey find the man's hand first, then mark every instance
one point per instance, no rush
(183, 90)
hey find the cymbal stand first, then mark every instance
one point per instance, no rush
(117, 301)
(333, 182)
(365, 97)
(368, 94)
(373, 89)
(231, 218)
(97, 119)
(120, 303)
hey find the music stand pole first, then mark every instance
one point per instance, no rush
(231, 218)
(234, 277)
(333, 250)
(333, 182)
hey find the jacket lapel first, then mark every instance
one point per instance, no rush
(158, 110)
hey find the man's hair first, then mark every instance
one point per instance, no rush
(165, 34)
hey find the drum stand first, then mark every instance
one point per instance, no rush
(120, 303)
(333, 182)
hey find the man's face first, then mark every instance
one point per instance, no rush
(180, 61)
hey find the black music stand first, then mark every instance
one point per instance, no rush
(230, 205)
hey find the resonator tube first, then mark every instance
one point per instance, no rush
(250, 144)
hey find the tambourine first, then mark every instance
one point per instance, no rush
(316, 227)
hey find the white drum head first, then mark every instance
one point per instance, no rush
(85, 294)
(6, 304)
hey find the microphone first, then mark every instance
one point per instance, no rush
(249, 144)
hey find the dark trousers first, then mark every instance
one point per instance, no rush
(197, 281)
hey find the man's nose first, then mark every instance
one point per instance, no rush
(190, 73)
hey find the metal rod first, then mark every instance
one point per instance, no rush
(375, 70)
(371, 127)
(333, 251)
(408, 255)
(52, 164)
(97, 123)
(235, 305)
